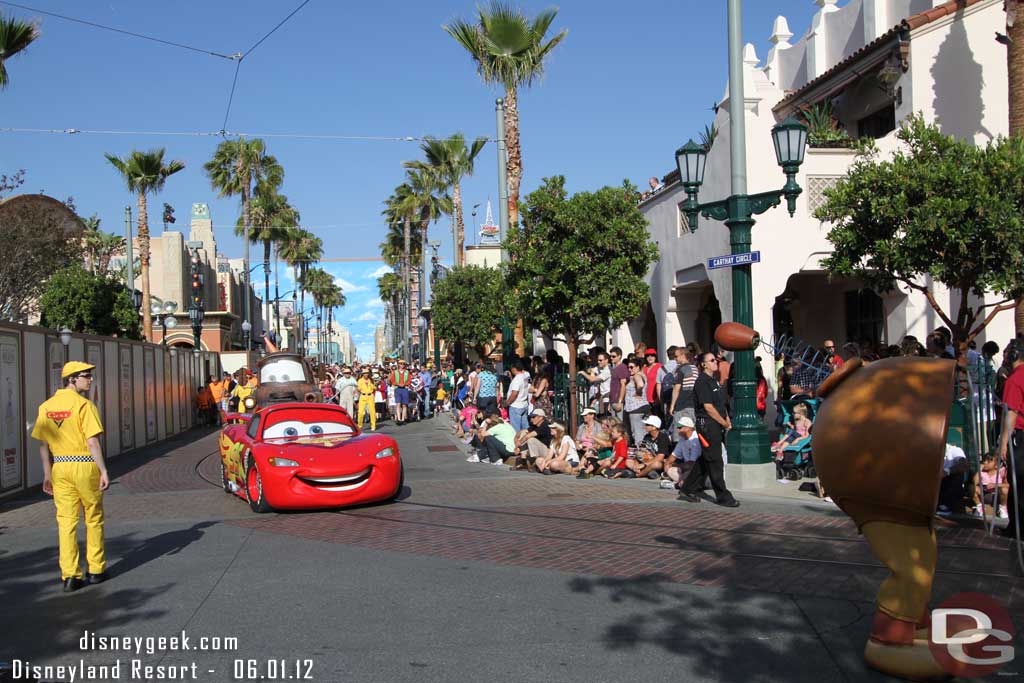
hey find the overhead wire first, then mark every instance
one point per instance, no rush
(94, 24)
(222, 133)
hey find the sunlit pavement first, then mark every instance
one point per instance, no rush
(477, 573)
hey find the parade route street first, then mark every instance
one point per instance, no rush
(476, 574)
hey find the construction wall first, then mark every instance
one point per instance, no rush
(143, 392)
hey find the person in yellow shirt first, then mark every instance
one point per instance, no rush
(366, 390)
(74, 472)
(243, 390)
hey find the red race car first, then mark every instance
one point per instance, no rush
(293, 456)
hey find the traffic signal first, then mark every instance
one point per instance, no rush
(197, 286)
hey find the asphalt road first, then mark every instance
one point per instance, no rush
(477, 574)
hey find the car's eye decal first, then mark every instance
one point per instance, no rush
(316, 429)
(285, 429)
(330, 429)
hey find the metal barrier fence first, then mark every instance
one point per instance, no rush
(973, 418)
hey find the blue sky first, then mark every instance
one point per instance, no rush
(624, 89)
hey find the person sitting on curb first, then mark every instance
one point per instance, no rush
(653, 450)
(684, 455)
(534, 443)
(562, 458)
(497, 439)
(619, 465)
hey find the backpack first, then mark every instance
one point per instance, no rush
(463, 391)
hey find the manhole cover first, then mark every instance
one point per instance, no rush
(442, 449)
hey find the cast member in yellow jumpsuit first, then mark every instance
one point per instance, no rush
(68, 425)
(366, 390)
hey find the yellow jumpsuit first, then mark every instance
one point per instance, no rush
(65, 422)
(366, 402)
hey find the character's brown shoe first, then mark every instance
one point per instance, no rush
(913, 662)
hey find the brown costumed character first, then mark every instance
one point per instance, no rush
(879, 442)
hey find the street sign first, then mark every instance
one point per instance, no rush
(730, 260)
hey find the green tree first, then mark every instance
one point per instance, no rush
(468, 305)
(301, 249)
(237, 167)
(509, 50)
(941, 209)
(94, 303)
(448, 161)
(100, 247)
(272, 220)
(578, 264)
(145, 173)
(15, 36)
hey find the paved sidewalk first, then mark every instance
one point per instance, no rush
(477, 573)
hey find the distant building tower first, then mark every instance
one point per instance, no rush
(489, 231)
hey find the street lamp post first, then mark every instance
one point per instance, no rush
(246, 331)
(748, 439)
(164, 315)
(65, 339)
(196, 304)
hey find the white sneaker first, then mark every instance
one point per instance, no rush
(667, 484)
(473, 458)
(497, 463)
(782, 481)
(1003, 512)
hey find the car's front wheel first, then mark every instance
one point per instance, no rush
(224, 477)
(254, 488)
(401, 482)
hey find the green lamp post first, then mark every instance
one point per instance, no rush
(748, 440)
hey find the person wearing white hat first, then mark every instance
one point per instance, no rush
(534, 442)
(685, 453)
(68, 427)
(655, 447)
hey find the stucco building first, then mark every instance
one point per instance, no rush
(876, 61)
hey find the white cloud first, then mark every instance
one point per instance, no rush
(374, 303)
(347, 286)
(379, 272)
(368, 316)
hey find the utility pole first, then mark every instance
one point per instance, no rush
(129, 277)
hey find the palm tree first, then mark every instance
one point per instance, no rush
(318, 283)
(448, 161)
(15, 36)
(333, 298)
(100, 246)
(389, 287)
(145, 173)
(509, 50)
(300, 250)
(236, 168)
(1015, 73)
(272, 217)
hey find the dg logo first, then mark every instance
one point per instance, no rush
(971, 635)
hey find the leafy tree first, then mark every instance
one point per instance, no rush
(578, 264)
(39, 237)
(9, 183)
(301, 249)
(509, 50)
(469, 303)
(94, 303)
(940, 209)
(145, 173)
(15, 36)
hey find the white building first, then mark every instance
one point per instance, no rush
(878, 61)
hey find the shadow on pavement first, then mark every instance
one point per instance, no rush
(169, 543)
(735, 636)
(40, 620)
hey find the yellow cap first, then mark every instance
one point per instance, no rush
(74, 367)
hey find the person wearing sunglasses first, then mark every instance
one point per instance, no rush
(712, 424)
(74, 472)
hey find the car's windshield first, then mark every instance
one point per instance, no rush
(283, 370)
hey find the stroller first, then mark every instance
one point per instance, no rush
(797, 457)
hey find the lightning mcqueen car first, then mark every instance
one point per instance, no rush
(292, 456)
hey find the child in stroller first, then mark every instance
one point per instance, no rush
(792, 451)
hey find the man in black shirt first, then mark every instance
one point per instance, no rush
(712, 424)
(654, 449)
(537, 439)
